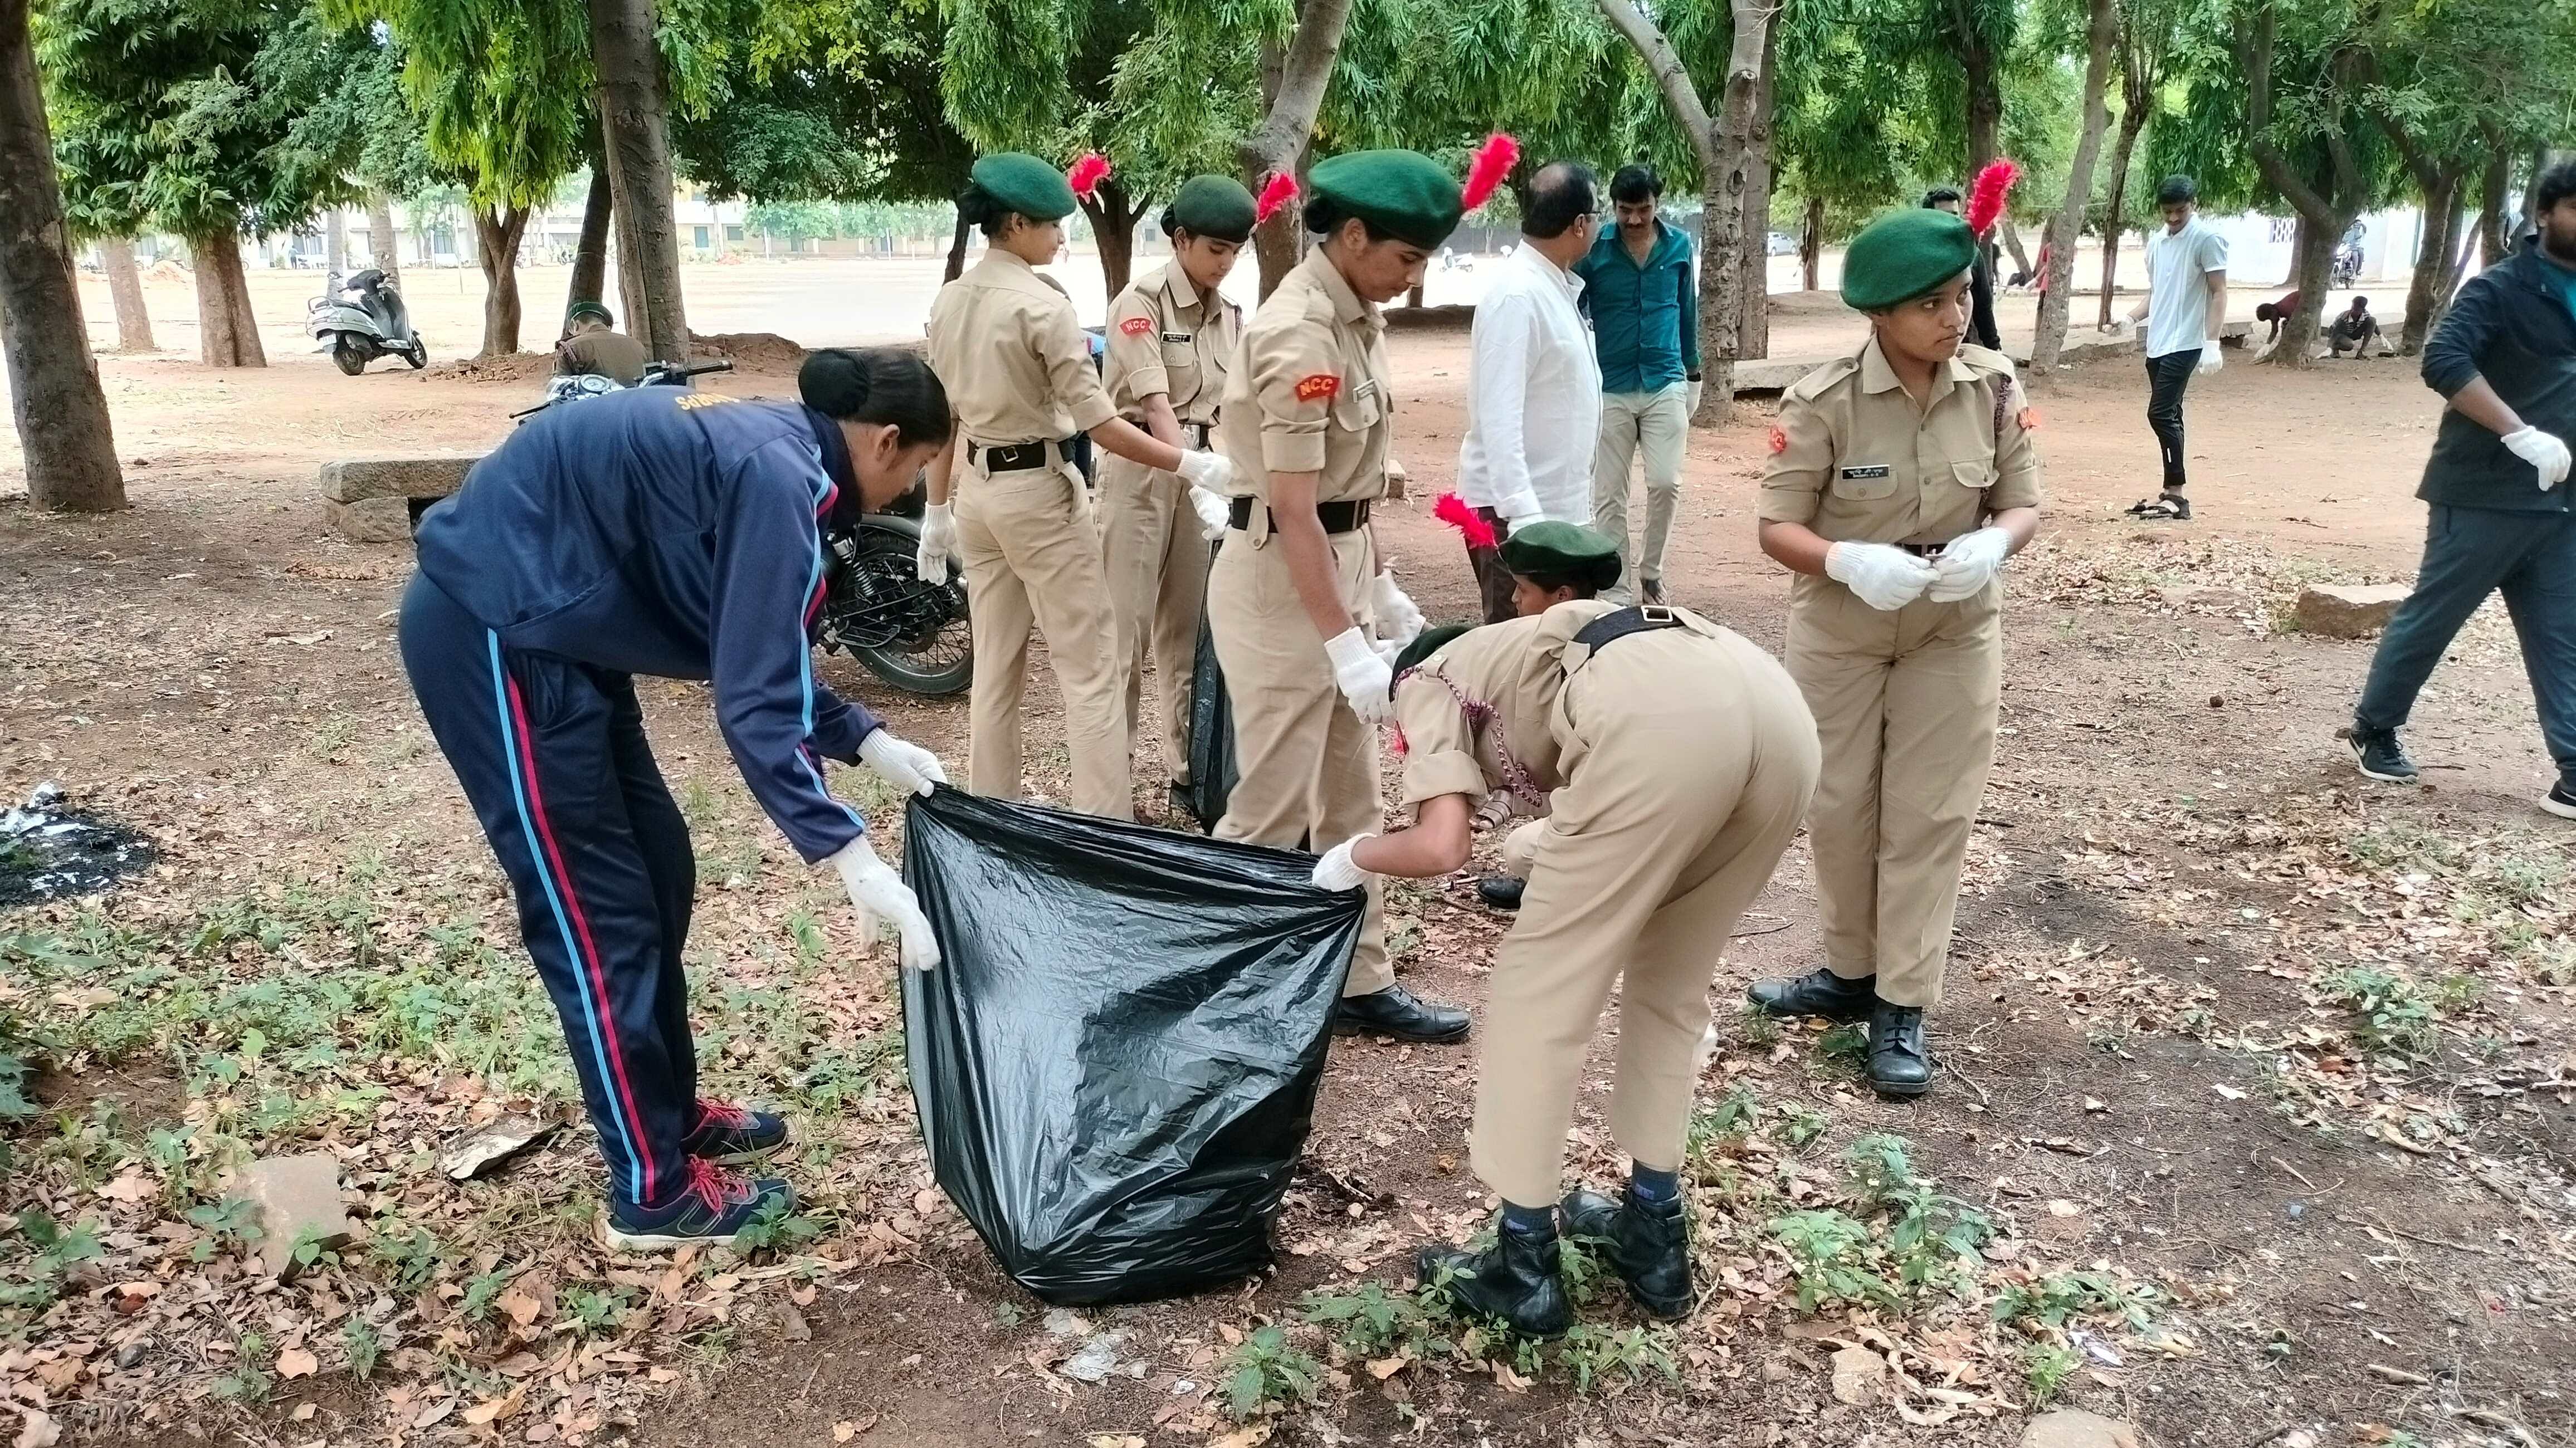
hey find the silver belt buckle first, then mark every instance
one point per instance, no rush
(1657, 615)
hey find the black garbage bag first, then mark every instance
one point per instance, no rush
(1212, 767)
(1116, 1062)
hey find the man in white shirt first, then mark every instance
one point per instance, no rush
(1533, 385)
(2185, 305)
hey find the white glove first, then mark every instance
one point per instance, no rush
(1215, 510)
(1208, 470)
(1398, 621)
(2211, 358)
(1337, 871)
(1968, 564)
(1690, 397)
(1885, 577)
(883, 899)
(938, 543)
(903, 764)
(1362, 675)
(2546, 454)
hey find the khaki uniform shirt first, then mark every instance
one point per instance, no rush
(1016, 364)
(1854, 459)
(1167, 336)
(1306, 391)
(601, 354)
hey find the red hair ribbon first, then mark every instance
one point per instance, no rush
(1494, 161)
(1087, 174)
(1451, 509)
(1275, 193)
(1986, 194)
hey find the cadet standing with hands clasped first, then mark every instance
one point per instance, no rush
(1900, 480)
(1018, 371)
(1170, 338)
(1298, 588)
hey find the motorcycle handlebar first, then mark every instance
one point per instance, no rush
(678, 372)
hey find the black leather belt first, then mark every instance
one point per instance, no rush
(1922, 550)
(1347, 517)
(1619, 623)
(1198, 433)
(1018, 457)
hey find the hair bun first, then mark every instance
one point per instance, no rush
(834, 382)
(975, 205)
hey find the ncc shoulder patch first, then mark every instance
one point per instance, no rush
(1779, 439)
(1317, 387)
(1136, 326)
(2030, 419)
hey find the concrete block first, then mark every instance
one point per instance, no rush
(352, 480)
(298, 1199)
(2348, 610)
(370, 520)
(2075, 1428)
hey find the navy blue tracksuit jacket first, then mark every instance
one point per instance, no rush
(654, 531)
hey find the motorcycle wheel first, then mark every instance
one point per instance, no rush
(350, 354)
(418, 356)
(879, 612)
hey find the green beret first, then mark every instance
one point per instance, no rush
(1563, 550)
(1426, 643)
(579, 310)
(1405, 194)
(1018, 181)
(1215, 206)
(1903, 255)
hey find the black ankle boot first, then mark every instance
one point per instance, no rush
(1649, 1244)
(1397, 1012)
(1519, 1280)
(1819, 992)
(1900, 1064)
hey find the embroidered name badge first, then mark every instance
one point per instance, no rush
(1136, 326)
(1318, 387)
(1871, 470)
(1176, 336)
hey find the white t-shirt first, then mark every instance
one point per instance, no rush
(2178, 265)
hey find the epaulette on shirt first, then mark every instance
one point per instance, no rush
(1813, 385)
(1984, 358)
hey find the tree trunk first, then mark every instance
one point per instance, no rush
(1984, 90)
(1811, 243)
(53, 381)
(1113, 216)
(2325, 211)
(125, 285)
(383, 240)
(228, 336)
(590, 254)
(1753, 322)
(335, 242)
(496, 248)
(957, 250)
(2493, 244)
(1292, 82)
(2102, 35)
(634, 131)
(2313, 271)
(2132, 121)
(2432, 259)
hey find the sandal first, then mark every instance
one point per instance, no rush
(2169, 505)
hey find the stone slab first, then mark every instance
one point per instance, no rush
(2075, 1428)
(353, 480)
(370, 520)
(298, 1200)
(2348, 610)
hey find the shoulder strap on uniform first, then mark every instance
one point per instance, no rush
(1813, 385)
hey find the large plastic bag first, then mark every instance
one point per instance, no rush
(1212, 765)
(1116, 1061)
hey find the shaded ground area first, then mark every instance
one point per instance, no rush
(2256, 1118)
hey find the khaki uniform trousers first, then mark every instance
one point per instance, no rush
(1520, 849)
(1308, 766)
(1905, 703)
(1158, 571)
(1032, 557)
(1659, 422)
(1664, 836)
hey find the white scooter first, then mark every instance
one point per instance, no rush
(362, 319)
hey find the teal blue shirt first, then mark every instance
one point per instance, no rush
(1645, 319)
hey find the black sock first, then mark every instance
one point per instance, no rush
(1529, 1221)
(1650, 1186)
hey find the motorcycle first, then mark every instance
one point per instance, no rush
(2347, 267)
(914, 635)
(362, 319)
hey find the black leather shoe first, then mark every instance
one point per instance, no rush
(1899, 1063)
(1649, 1244)
(1520, 1280)
(1819, 992)
(1394, 1012)
(1501, 892)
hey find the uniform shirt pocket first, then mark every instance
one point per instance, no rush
(1357, 409)
(1864, 482)
(1977, 473)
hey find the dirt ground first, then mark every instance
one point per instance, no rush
(2258, 1072)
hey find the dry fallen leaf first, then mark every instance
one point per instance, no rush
(1385, 1368)
(37, 1430)
(847, 1429)
(494, 1410)
(1252, 1437)
(295, 1362)
(1117, 1440)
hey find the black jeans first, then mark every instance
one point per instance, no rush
(2167, 376)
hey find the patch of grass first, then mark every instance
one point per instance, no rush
(1800, 1124)
(1266, 1373)
(2403, 844)
(249, 1381)
(1372, 1322)
(2063, 1297)
(2394, 1015)
(363, 1345)
(1596, 1356)
(1829, 1256)
(1719, 1127)
(595, 1310)
(778, 1227)
(1846, 1046)
(1756, 1026)
(2045, 1367)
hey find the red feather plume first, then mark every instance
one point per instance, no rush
(1986, 194)
(1494, 161)
(1451, 509)
(1087, 174)
(1278, 191)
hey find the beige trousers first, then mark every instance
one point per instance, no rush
(1658, 423)
(1032, 558)
(1520, 848)
(1668, 829)
(1308, 766)
(1905, 703)
(1158, 570)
